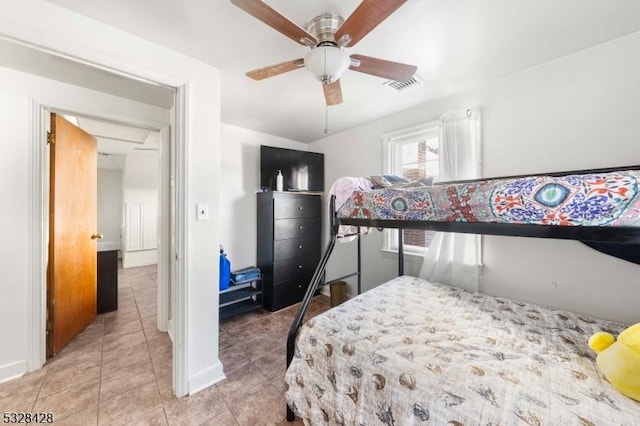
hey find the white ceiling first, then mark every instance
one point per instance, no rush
(456, 44)
(116, 141)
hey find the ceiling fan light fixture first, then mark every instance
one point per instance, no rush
(327, 63)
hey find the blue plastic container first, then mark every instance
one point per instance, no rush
(225, 270)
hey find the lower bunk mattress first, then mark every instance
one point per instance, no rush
(413, 352)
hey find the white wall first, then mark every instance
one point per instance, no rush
(140, 232)
(241, 177)
(141, 170)
(110, 203)
(78, 36)
(576, 112)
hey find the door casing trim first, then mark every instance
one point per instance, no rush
(39, 222)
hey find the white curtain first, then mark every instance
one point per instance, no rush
(454, 259)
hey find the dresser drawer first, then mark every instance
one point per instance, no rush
(295, 247)
(297, 268)
(307, 206)
(286, 294)
(284, 229)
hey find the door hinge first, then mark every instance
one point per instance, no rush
(49, 326)
(51, 138)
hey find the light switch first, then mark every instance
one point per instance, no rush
(203, 211)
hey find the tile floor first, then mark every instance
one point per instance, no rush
(118, 370)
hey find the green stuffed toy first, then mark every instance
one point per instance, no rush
(620, 360)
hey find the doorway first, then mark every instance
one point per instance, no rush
(144, 156)
(136, 103)
(132, 167)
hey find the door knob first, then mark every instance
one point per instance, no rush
(96, 236)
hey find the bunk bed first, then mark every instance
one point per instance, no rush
(414, 352)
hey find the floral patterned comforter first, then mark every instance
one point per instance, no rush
(604, 199)
(410, 352)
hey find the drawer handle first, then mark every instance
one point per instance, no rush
(300, 227)
(299, 285)
(300, 246)
(300, 208)
(299, 266)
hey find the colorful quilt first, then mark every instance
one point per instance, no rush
(602, 199)
(410, 352)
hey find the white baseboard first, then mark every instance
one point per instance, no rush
(170, 329)
(134, 259)
(12, 371)
(206, 378)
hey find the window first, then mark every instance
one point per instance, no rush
(412, 154)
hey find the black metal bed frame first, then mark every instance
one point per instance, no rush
(618, 235)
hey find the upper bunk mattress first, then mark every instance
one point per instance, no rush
(411, 352)
(598, 199)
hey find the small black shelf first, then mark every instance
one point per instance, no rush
(241, 297)
(238, 286)
(238, 308)
(238, 296)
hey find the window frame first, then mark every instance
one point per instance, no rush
(391, 147)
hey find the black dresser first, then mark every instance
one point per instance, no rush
(289, 245)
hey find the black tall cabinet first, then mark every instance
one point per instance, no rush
(289, 245)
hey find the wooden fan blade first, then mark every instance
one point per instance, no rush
(385, 69)
(266, 72)
(368, 15)
(261, 11)
(332, 93)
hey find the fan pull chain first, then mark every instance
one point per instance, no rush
(326, 119)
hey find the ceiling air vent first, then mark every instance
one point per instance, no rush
(402, 86)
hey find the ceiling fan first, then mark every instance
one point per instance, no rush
(327, 35)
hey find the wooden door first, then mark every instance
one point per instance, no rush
(72, 268)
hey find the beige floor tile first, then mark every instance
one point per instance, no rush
(119, 359)
(241, 382)
(225, 418)
(126, 380)
(69, 401)
(224, 340)
(162, 363)
(83, 418)
(150, 323)
(127, 307)
(195, 409)
(233, 357)
(273, 364)
(279, 384)
(165, 386)
(243, 319)
(70, 376)
(122, 341)
(148, 313)
(142, 304)
(159, 344)
(146, 292)
(259, 346)
(69, 356)
(142, 283)
(128, 407)
(20, 394)
(151, 332)
(119, 317)
(266, 406)
(117, 329)
(297, 422)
